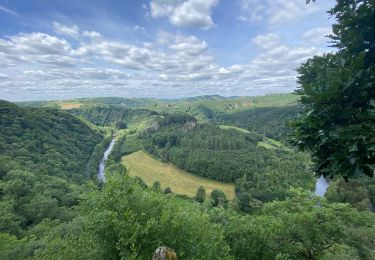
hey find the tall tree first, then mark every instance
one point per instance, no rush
(201, 194)
(338, 93)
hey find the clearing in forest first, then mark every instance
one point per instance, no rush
(181, 182)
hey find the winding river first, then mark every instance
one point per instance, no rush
(101, 175)
(321, 186)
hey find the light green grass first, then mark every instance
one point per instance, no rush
(270, 143)
(265, 145)
(274, 142)
(181, 182)
(242, 130)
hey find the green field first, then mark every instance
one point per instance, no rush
(242, 130)
(267, 143)
(181, 182)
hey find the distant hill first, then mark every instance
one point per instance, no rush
(110, 115)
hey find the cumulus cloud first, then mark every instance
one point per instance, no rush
(92, 35)
(317, 35)
(35, 48)
(72, 31)
(266, 41)
(275, 12)
(172, 65)
(193, 13)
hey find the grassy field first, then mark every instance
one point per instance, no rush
(181, 182)
(69, 105)
(242, 130)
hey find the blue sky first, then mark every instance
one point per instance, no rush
(66, 49)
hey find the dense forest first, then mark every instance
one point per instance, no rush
(271, 121)
(112, 115)
(57, 214)
(43, 164)
(228, 155)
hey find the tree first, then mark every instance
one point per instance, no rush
(141, 182)
(338, 94)
(121, 125)
(167, 190)
(303, 226)
(219, 199)
(125, 221)
(156, 186)
(201, 194)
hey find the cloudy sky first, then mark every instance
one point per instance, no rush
(65, 49)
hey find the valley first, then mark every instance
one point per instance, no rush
(202, 167)
(187, 130)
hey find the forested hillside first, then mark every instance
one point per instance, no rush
(270, 121)
(128, 221)
(230, 155)
(112, 115)
(48, 217)
(43, 162)
(47, 141)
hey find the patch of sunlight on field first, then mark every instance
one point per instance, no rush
(265, 145)
(181, 182)
(242, 130)
(69, 105)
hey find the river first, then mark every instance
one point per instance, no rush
(101, 174)
(321, 186)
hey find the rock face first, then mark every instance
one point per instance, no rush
(164, 253)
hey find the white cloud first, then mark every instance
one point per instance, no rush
(190, 45)
(37, 48)
(92, 35)
(252, 10)
(71, 31)
(8, 11)
(4, 76)
(266, 41)
(275, 12)
(192, 13)
(38, 64)
(34, 44)
(317, 35)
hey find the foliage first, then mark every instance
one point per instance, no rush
(124, 145)
(338, 93)
(121, 125)
(112, 115)
(125, 221)
(156, 186)
(227, 155)
(201, 194)
(43, 162)
(270, 121)
(359, 192)
(301, 227)
(167, 190)
(218, 199)
(26, 139)
(92, 166)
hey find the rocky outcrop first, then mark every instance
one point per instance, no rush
(164, 253)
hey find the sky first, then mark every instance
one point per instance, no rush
(65, 49)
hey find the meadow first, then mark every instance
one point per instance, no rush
(181, 182)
